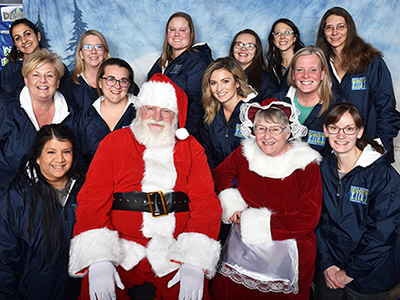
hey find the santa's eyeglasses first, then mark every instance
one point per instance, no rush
(151, 110)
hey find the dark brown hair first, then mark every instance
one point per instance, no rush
(357, 54)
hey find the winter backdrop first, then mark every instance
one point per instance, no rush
(134, 29)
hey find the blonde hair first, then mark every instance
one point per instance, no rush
(324, 90)
(210, 103)
(80, 64)
(39, 58)
(167, 49)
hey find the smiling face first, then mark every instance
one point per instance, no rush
(336, 36)
(243, 55)
(114, 94)
(341, 142)
(55, 161)
(42, 83)
(224, 87)
(307, 74)
(92, 58)
(178, 35)
(272, 145)
(284, 42)
(25, 39)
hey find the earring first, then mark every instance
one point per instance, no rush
(273, 51)
(293, 47)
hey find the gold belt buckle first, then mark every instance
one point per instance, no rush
(151, 204)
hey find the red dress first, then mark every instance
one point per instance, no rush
(289, 186)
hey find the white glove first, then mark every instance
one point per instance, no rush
(102, 280)
(192, 282)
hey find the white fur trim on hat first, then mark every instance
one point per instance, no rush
(93, 246)
(255, 225)
(155, 93)
(198, 250)
(182, 133)
(231, 202)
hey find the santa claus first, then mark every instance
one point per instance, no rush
(148, 211)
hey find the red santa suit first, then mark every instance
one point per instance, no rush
(122, 164)
(280, 199)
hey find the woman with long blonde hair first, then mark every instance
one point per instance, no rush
(224, 91)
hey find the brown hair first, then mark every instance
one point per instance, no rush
(338, 110)
(357, 54)
(167, 49)
(257, 65)
(210, 103)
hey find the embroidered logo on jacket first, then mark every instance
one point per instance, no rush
(359, 194)
(359, 84)
(316, 138)
(238, 131)
(176, 69)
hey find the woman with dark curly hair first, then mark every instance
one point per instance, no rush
(246, 49)
(283, 41)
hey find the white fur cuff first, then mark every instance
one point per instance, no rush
(231, 202)
(132, 253)
(255, 225)
(93, 246)
(198, 250)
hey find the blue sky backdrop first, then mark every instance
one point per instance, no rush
(134, 29)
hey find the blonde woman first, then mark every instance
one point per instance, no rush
(224, 91)
(310, 92)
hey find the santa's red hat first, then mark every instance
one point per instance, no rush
(162, 92)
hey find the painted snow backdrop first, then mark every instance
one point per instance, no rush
(134, 29)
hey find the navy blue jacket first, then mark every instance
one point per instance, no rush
(11, 79)
(83, 94)
(221, 138)
(17, 135)
(90, 129)
(187, 72)
(315, 136)
(268, 85)
(359, 226)
(24, 274)
(372, 92)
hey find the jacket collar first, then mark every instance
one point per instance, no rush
(61, 107)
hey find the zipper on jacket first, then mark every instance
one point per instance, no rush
(338, 189)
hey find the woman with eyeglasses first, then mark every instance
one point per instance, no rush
(246, 49)
(283, 41)
(91, 51)
(358, 234)
(270, 251)
(26, 38)
(184, 62)
(362, 75)
(111, 111)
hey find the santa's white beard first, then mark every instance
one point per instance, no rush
(151, 136)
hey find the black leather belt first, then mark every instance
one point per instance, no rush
(158, 203)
